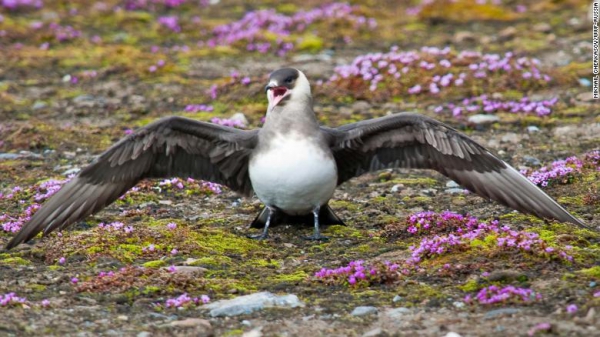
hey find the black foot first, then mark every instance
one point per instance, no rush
(318, 237)
(262, 236)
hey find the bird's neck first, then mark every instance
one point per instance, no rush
(293, 116)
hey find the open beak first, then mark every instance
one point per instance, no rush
(276, 94)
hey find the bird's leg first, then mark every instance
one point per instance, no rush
(317, 234)
(265, 232)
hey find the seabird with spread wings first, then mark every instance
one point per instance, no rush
(292, 163)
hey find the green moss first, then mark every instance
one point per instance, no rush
(310, 43)
(420, 199)
(155, 264)
(415, 181)
(37, 287)
(295, 277)
(593, 272)
(363, 248)
(287, 8)
(516, 217)
(576, 200)
(343, 231)
(234, 332)
(223, 285)
(513, 95)
(15, 261)
(264, 263)
(343, 204)
(470, 286)
(152, 290)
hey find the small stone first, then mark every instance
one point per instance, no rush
(508, 33)
(483, 119)
(589, 317)
(122, 318)
(585, 82)
(452, 184)
(542, 27)
(501, 312)
(510, 137)
(457, 190)
(452, 334)
(532, 161)
(397, 298)
(592, 284)
(165, 202)
(8, 156)
(458, 304)
(345, 111)
(144, 334)
(192, 322)
(464, 36)
(533, 129)
(240, 117)
(74, 170)
(190, 261)
(585, 97)
(396, 188)
(377, 332)
(253, 333)
(361, 107)
(38, 105)
(322, 57)
(363, 311)
(186, 269)
(397, 312)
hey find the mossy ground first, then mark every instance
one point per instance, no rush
(68, 123)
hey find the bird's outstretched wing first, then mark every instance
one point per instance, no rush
(416, 141)
(170, 147)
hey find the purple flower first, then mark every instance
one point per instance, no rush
(170, 22)
(62, 260)
(572, 308)
(185, 300)
(415, 90)
(171, 225)
(11, 299)
(198, 107)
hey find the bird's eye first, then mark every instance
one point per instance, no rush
(289, 80)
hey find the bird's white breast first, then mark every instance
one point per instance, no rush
(293, 173)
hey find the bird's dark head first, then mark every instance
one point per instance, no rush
(286, 84)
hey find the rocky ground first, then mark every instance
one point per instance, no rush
(418, 256)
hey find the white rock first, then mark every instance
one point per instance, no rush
(482, 119)
(362, 311)
(250, 303)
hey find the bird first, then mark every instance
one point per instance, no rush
(293, 164)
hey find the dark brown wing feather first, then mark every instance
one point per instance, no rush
(170, 147)
(416, 141)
